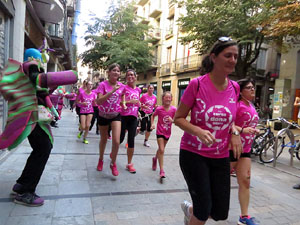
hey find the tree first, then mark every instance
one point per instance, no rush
(207, 20)
(120, 38)
(284, 21)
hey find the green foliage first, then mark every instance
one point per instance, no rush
(117, 39)
(207, 20)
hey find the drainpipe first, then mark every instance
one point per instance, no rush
(76, 23)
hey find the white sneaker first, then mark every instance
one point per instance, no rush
(146, 144)
(185, 208)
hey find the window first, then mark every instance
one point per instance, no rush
(261, 60)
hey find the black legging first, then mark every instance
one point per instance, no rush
(35, 165)
(128, 123)
(95, 117)
(146, 122)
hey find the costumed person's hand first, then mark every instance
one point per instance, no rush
(55, 113)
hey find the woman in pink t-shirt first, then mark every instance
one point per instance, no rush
(86, 100)
(165, 114)
(246, 121)
(148, 104)
(129, 114)
(109, 99)
(204, 149)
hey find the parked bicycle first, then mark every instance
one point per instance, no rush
(265, 135)
(266, 155)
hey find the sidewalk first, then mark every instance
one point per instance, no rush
(77, 194)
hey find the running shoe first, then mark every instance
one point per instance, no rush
(109, 138)
(130, 168)
(185, 208)
(79, 134)
(29, 199)
(248, 220)
(85, 141)
(162, 174)
(100, 165)
(114, 169)
(146, 144)
(154, 163)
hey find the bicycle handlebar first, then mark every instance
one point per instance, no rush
(288, 122)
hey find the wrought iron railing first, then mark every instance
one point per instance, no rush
(192, 62)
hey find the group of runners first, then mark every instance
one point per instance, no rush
(120, 109)
(216, 140)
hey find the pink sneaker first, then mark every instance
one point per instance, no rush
(100, 165)
(154, 163)
(130, 168)
(162, 174)
(114, 169)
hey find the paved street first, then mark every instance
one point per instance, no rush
(77, 194)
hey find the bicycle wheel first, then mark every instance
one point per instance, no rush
(266, 155)
(259, 141)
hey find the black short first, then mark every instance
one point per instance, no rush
(85, 114)
(161, 136)
(208, 181)
(105, 122)
(243, 155)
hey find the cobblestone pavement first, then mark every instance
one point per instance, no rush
(77, 194)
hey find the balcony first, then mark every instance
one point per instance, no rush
(142, 2)
(51, 11)
(145, 21)
(166, 69)
(186, 64)
(155, 9)
(155, 34)
(169, 32)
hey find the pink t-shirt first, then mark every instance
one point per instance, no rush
(211, 110)
(130, 93)
(163, 126)
(246, 117)
(112, 104)
(86, 98)
(148, 101)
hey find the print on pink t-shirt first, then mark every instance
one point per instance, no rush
(88, 99)
(149, 102)
(112, 104)
(211, 110)
(130, 93)
(246, 117)
(163, 123)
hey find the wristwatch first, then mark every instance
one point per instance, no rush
(235, 132)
